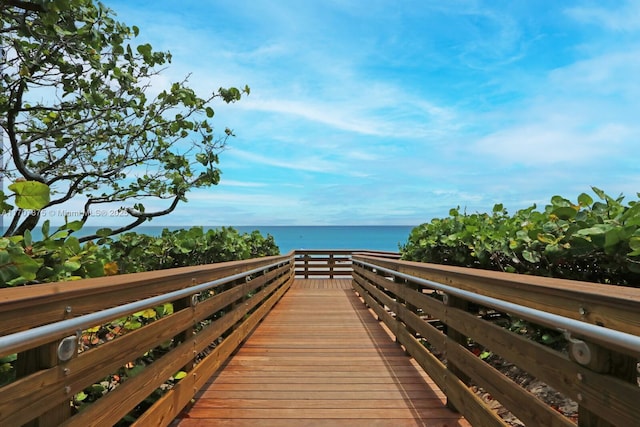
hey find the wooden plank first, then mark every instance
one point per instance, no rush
(169, 406)
(344, 403)
(113, 406)
(334, 422)
(320, 357)
(288, 395)
(323, 413)
(457, 392)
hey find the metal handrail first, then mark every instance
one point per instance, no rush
(35, 337)
(564, 324)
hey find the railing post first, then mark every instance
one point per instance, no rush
(306, 260)
(34, 360)
(186, 304)
(331, 263)
(452, 302)
(603, 361)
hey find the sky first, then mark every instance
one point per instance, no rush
(387, 112)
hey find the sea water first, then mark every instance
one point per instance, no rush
(359, 237)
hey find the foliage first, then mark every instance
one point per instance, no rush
(58, 256)
(81, 121)
(98, 335)
(597, 241)
(139, 252)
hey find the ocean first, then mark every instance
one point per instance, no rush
(372, 237)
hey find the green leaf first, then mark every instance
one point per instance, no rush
(565, 213)
(132, 325)
(634, 244)
(45, 228)
(591, 231)
(72, 265)
(104, 232)
(149, 313)
(559, 201)
(144, 49)
(485, 355)
(31, 194)
(585, 200)
(532, 257)
(73, 226)
(179, 375)
(549, 339)
(209, 112)
(4, 206)
(27, 266)
(202, 158)
(599, 192)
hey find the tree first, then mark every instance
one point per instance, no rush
(79, 120)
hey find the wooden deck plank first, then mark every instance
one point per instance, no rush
(320, 359)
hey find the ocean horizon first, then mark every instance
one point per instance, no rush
(356, 237)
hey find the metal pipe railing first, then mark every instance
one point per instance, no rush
(40, 335)
(599, 333)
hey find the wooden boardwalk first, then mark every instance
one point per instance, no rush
(320, 359)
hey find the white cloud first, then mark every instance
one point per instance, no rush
(234, 183)
(309, 164)
(544, 144)
(624, 18)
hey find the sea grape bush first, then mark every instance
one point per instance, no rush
(596, 241)
(60, 256)
(139, 252)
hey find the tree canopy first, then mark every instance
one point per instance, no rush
(80, 120)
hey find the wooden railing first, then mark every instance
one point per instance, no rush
(148, 327)
(436, 314)
(330, 263)
(186, 320)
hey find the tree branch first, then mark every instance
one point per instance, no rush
(25, 5)
(141, 217)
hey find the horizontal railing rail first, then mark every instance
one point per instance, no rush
(605, 336)
(189, 325)
(331, 263)
(440, 313)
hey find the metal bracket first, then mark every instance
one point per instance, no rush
(194, 300)
(579, 349)
(68, 347)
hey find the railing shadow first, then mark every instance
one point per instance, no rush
(418, 394)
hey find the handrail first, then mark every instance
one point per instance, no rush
(601, 334)
(454, 320)
(205, 323)
(22, 340)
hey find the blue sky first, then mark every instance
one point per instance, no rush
(393, 112)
